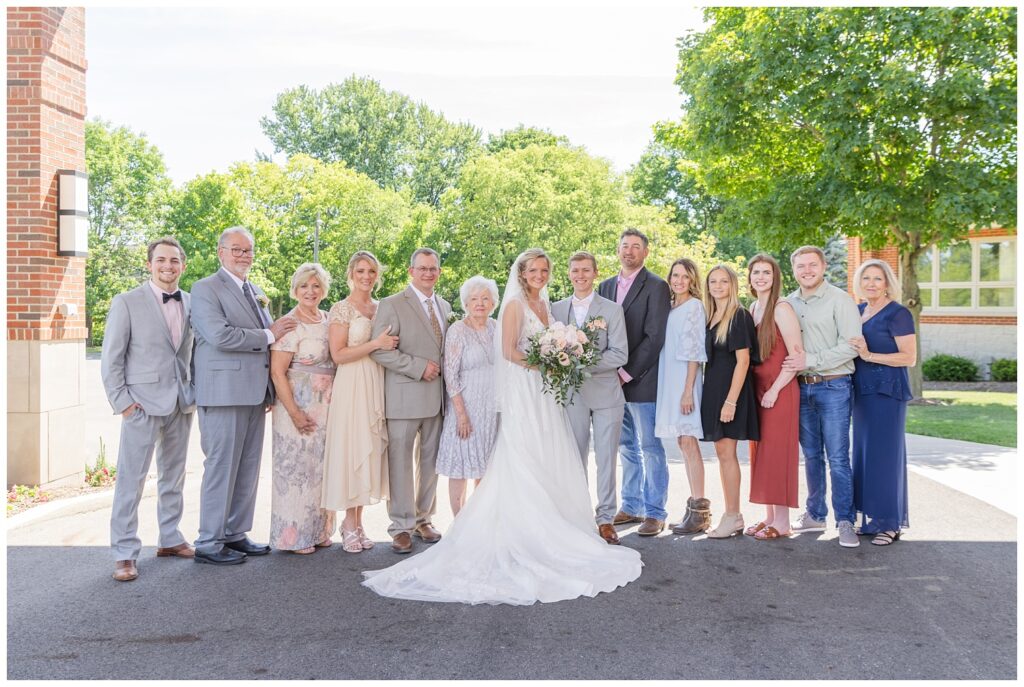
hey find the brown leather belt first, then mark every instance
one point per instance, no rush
(817, 379)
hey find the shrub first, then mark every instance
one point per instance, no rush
(100, 474)
(1004, 370)
(949, 368)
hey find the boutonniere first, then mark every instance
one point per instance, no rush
(454, 317)
(596, 323)
(263, 300)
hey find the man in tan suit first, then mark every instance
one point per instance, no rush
(414, 398)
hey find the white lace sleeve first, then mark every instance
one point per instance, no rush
(454, 344)
(691, 335)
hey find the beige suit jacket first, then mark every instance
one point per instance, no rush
(406, 395)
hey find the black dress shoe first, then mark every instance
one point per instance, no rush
(248, 547)
(222, 557)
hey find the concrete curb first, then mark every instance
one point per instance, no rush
(68, 506)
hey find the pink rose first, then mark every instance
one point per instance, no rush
(563, 359)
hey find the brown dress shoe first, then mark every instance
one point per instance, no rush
(427, 533)
(624, 518)
(181, 551)
(607, 533)
(125, 571)
(401, 543)
(651, 527)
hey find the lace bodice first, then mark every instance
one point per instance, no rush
(531, 325)
(359, 327)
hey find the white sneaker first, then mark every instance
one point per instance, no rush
(847, 535)
(806, 523)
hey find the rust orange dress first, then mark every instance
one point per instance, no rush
(775, 459)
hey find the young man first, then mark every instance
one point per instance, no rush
(645, 302)
(828, 320)
(600, 401)
(147, 353)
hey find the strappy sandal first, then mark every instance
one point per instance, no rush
(755, 528)
(350, 541)
(769, 533)
(886, 538)
(364, 541)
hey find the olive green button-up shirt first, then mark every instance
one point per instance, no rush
(828, 320)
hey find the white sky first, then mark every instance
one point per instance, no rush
(197, 80)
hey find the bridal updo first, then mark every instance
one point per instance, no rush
(524, 260)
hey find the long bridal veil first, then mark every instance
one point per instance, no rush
(515, 299)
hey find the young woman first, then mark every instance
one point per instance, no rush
(680, 385)
(728, 409)
(775, 459)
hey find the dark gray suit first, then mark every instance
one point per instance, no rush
(232, 363)
(142, 365)
(600, 401)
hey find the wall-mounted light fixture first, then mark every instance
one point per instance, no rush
(72, 213)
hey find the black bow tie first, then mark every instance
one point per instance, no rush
(176, 296)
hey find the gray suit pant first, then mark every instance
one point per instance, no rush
(607, 423)
(232, 439)
(141, 436)
(412, 474)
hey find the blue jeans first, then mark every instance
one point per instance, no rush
(825, 431)
(644, 465)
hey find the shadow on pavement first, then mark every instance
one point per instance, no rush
(737, 609)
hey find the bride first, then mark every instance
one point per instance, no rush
(527, 534)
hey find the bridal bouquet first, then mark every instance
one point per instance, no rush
(563, 352)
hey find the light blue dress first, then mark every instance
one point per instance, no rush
(684, 343)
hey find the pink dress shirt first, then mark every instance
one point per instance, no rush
(173, 312)
(623, 284)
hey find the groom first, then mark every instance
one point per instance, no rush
(600, 400)
(413, 398)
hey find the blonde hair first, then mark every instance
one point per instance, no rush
(580, 256)
(304, 272)
(693, 272)
(524, 260)
(892, 285)
(356, 258)
(802, 250)
(731, 306)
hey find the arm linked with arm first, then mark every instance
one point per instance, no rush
(211, 323)
(645, 355)
(395, 360)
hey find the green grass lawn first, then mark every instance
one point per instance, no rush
(987, 417)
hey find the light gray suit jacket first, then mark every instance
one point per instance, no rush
(602, 389)
(406, 395)
(140, 363)
(232, 358)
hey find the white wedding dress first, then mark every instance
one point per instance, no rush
(527, 533)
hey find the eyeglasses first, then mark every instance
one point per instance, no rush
(240, 252)
(427, 270)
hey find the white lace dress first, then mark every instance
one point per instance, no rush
(528, 533)
(684, 343)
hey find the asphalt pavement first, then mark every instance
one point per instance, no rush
(939, 604)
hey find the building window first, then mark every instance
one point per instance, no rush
(974, 274)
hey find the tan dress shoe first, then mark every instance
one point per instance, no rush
(427, 533)
(401, 543)
(125, 571)
(651, 527)
(607, 533)
(624, 518)
(180, 551)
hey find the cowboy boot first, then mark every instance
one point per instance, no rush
(697, 518)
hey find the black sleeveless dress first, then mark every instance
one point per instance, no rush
(718, 378)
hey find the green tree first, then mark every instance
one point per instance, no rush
(897, 125)
(129, 191)
(522, 136)
(397, 142)
(558, 198)
(281, 204)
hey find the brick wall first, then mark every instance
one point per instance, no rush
(45, 133)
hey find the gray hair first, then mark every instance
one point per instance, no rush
(235, 230)
(424, 251)
(304, 272)
(475, 284)
(892, 285)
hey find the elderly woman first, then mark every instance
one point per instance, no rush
(881, 389)
(470, 421)
(303, 375)
(356, 466)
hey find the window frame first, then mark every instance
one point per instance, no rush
(932, 284)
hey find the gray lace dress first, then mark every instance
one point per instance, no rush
(469, 371)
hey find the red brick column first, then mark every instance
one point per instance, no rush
(46, 347)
